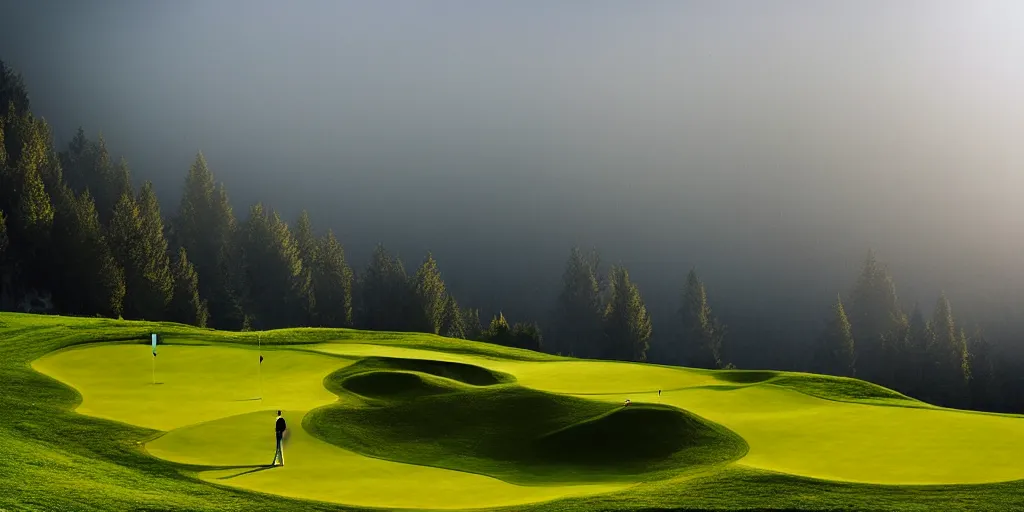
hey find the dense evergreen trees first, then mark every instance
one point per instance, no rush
(307, 247)
(627, 326)
(205, 226)
(76, 239)
(386, 296)
(276, 287)
(701, 339)
(453, 321)
(89, 280)
(951, 371)
(836, 354)
(877, 321)
(186, 305)
(332, 284)
(139, 247)
(577, 317)
(431, 298)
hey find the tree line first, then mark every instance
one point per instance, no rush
(78, 238)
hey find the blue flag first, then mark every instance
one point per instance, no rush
(154, 344)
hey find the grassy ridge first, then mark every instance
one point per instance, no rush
(54, 459)
(510, 432)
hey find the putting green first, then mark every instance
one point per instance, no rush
(195, 384)
(204, 398)
(321, 471)
(205, 403)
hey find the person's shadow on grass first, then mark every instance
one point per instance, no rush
(251, 469)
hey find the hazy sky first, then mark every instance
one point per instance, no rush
(768, 143)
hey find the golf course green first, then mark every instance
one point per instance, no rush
(413, 421)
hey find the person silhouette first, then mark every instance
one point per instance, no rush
(279, 427)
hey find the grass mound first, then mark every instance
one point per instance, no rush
(640, 439)
(385, 384)
(461, 372)
(745, 376)
(527, 436)
(840, 388)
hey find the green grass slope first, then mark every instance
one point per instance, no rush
(511, 432)
(198, 440)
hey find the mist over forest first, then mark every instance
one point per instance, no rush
(768, 147)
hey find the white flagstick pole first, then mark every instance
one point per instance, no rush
(154, 357)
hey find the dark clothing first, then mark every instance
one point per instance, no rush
(279, 427)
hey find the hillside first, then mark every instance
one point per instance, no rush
(417, 421)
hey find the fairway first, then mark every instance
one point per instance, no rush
(414, 421)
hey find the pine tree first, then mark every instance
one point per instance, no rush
(35, 140)
(75, 162)
(430, 297)
(332, 284)
(275, 282)
(949, 352)
(157, 263)
(627, 324)
(119, 182)
(307, 246)
(836, 355)
(471, 321)
(13, 93)
(3, 147)
(125, 246)
(386, 298)
(34, 209)
(453, 323)
(498, 332)
(702, 333)
(304, 239)
(916, 367)
(100, 180)
(186, 307)
(138, 244)
(92, 282)
(877, 320)
(578, 310)
(27, 205)
(3, 237)
(982, 366)
(527, 335)
(205, 226)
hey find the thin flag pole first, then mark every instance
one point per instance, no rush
(259, 348)
(153, 336)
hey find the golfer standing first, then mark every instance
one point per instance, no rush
(279, 427)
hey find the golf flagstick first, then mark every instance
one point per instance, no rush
(259, 348)
(153, 337)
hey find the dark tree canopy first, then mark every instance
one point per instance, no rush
(578, 310)
(186, 306)
(627, 324)
(701, 337)
(76, 239)
(332, 284)
(876, 320)
(836, 354)
(430, 297)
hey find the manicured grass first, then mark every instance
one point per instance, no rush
(513, 433)
(196, 440)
